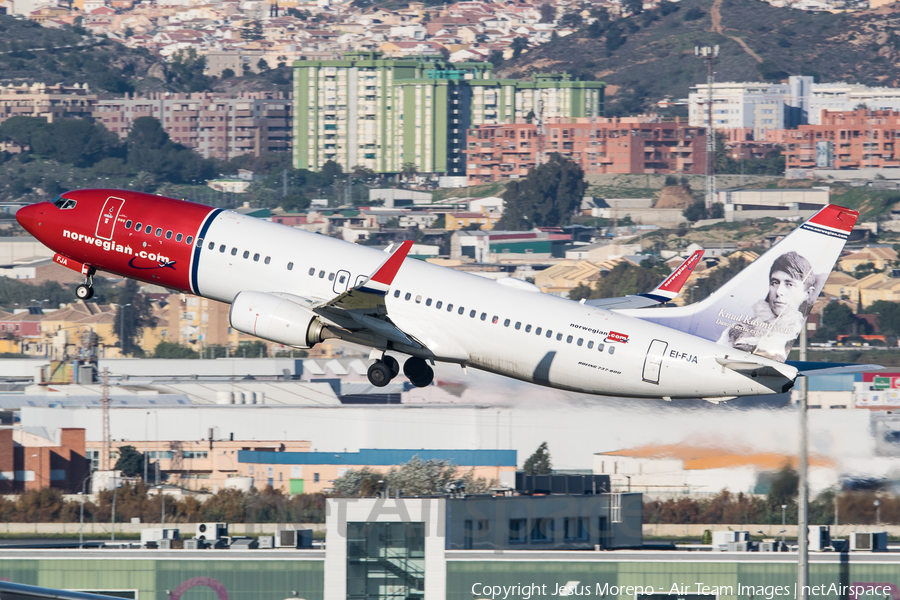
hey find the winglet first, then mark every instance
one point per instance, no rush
(380, 281)
(669, 288)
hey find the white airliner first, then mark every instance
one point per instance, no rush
(299, 289)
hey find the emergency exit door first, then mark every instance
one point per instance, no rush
(107, 221)
(653, 361)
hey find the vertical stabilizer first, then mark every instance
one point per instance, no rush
(763, 308)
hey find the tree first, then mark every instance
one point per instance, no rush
(548, 13)
(518, 45)
(409, 170)
(695, 211)
(784, 487)
(416, 478)
(187, 71)
(227, 74)
(547, 197)
(496, 58)
(173, 350)
(635, 7)
(888, 316)
(131, 462)
(262, 65)
(595, 29)
(539, 462)
(571, 19)
(130, 323)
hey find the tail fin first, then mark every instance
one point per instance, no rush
(763, 308)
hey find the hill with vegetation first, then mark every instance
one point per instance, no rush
(30, 53)
(649, 56)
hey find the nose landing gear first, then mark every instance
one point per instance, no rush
(85, 291)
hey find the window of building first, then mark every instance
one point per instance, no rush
(367, 546)
(315, 478)
(542, 530)
(196, 454)
(576, 529)
(518, 531)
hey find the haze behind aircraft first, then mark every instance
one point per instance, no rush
(298, 289)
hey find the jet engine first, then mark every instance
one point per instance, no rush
(277, 319)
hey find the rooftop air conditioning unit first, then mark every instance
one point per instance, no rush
(867, 541)
(819, 537)
(294, 538)
(211, 531)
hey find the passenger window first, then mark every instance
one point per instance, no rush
(418, 299)
(199, 241)
(407, 296)
(528, 329)
(312, 271)
(342, 279)
(321, 274)
(127, 224)
(222, 248)
(550, 334)
(506, 323)
(600, 347)
(268, 259)
(612, 349)
(449, 308)
(483, 316)
(471, 314)
(168, 235)
(290, 266)
(518, 325)
(579, 342)
(178, 238)
(428, 302)
(538, 331)
(331, 277)
(246, 254)
(234, 251)
(148, 228)
(211, 244)
(137, 227)
(569, 339)
(190, 239)
(461, 310)
(590, 344)
(256, 258)
(439, 304)
(158, 231)
(396, 293)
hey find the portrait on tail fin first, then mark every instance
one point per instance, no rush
(779, 316)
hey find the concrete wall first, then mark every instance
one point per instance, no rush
(187, 530)
(768, 529)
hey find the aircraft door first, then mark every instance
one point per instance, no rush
(107, 220)
(341, 282)
(653, 361)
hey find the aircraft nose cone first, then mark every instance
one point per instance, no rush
(25, 216)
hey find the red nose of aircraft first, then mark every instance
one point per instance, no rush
(26, 216)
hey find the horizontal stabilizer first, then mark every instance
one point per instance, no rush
(826, 368)
(757, 368)
(664, 292)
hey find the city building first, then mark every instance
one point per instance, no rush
(214, 125)
(880, 257)
(492, 246)
(756, 106)
(800, 203)
(383, 113)
(31, 461)
(616, 145)
(48, 102)
(852, 139)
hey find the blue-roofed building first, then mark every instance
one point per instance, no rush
(311, 472)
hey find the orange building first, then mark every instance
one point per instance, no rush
(627, 145)
(846, 140)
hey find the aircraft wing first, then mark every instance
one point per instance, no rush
(825, 368)
(362, 307)
(664, 292)
(20, 591)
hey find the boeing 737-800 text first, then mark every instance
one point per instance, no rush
(298, 288)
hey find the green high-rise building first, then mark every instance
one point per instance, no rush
(382, 113)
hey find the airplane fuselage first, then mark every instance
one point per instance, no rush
(454, 316)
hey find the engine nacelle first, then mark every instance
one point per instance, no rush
(276, 319)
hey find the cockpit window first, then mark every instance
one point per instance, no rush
(64, 203)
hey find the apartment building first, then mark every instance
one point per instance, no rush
(48, 102)
(383, 113)
(616, 145)
(214, 125)
(846, 140)
(758, 106)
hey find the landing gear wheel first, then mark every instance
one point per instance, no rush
(419, 373)
(392, 364)
(379, 374)
(84, 292)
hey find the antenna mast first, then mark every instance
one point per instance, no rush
(709, 54)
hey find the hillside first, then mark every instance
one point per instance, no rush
(647, 57)
(30, 53)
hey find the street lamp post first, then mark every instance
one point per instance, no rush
(877, 512)
(115, 493)
(783, 526)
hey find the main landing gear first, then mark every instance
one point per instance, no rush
(85, 291)
(419, 373)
